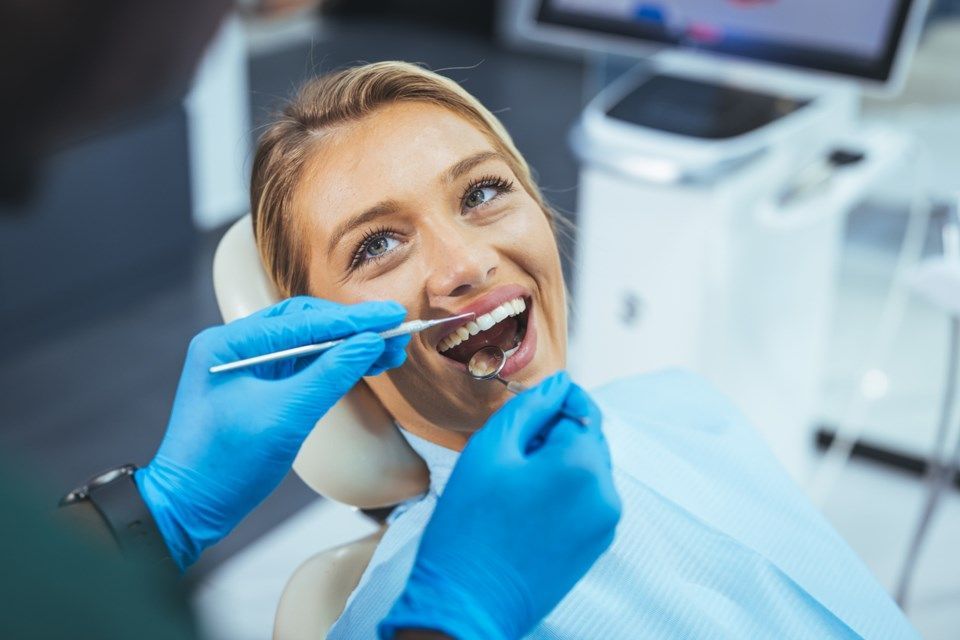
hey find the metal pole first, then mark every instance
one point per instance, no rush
(940, 472)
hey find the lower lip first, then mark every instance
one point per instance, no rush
(520, 358)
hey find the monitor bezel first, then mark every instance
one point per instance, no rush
(881, 70)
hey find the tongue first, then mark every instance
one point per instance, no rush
(501, 334)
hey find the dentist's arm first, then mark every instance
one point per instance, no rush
(518, 524)
(232, 437)
(490, 573)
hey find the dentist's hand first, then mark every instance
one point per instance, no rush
(233, 436)
(518, 523)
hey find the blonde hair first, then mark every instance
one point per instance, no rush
(326, 102)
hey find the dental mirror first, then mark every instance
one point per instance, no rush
(488, 362)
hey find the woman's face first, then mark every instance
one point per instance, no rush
(413, 203)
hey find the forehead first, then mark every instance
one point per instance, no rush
(396, 153)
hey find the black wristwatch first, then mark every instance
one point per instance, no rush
(117, 500)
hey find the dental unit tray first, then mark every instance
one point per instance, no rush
(678, 119)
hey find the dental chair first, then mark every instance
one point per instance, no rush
(354, 455)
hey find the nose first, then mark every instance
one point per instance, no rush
(461, 262)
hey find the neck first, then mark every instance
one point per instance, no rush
(455, 440)
(414, 421)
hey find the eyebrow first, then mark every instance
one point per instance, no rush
(383, 208)
(386, 207)
(468, 163)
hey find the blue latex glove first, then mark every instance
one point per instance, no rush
(517, 526)
(232, 437)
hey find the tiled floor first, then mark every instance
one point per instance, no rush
(876, 508)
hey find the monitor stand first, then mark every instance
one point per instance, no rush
(700, 108)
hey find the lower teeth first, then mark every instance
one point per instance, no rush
(517, 341)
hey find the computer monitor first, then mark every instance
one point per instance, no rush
(861, 39)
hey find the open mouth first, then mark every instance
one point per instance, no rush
(503, 326)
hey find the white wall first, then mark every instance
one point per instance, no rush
(218, 122)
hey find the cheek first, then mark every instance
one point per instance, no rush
(532, 242)
(535, 252)
(392, 286)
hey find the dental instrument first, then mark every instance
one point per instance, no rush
(412, 326)
(487, 363)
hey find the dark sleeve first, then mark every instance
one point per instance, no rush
(63, 577)
(84, 518)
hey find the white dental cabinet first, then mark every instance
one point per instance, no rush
(718, 253)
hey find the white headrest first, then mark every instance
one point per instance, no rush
(354, 454)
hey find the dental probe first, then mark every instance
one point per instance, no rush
(412, 326)
(488, 362)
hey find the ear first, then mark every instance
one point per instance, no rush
(355, 454)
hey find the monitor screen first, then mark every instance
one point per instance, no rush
(850, 37)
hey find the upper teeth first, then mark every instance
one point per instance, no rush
(482, 323)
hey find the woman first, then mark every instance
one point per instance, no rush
(387, 181)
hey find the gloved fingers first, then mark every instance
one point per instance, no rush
(394, 354)
(557, 437)
(578, 408)
(332, 375)
(576, 463)
(256, 335)
(575, 444)
(579, 459)
(578, 403)
(375, 371)
(568, 432)
(388, 360)
(579, 400)
(296, 303)
(394, 351)
(522, 417)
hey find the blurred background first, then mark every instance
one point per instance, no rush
(791, 240)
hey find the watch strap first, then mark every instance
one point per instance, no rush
(117, 499)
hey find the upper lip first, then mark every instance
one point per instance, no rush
(484, 304)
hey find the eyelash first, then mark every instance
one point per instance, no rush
(358, 260)
(502, 186)
(498, 183)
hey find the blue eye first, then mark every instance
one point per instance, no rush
(373, 247)
(479, 196)
(484, 190)
(376, 247)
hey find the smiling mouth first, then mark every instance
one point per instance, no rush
(504, 326)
